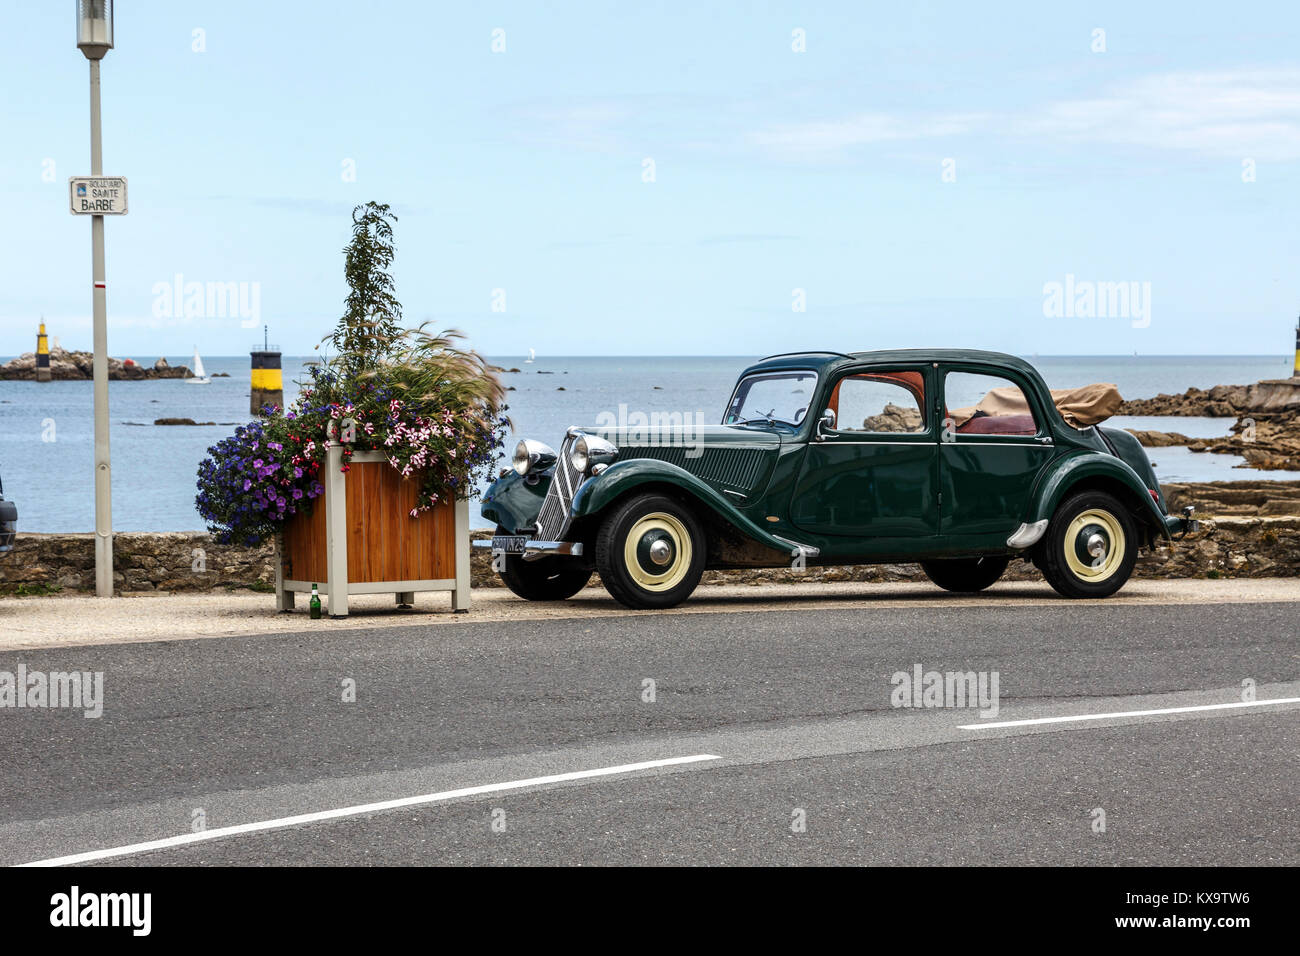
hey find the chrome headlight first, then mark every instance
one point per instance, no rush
(532, 456)
(589, 450)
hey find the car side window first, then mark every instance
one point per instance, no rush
(986, 405)
(882, 402)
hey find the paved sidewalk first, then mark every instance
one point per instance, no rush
(78, 619)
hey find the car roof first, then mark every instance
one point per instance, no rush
(822, 361)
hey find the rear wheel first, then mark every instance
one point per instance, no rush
(550, 578)
(1090, 547)
(965, 575)
(650, 552)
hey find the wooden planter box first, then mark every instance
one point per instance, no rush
(360, 538)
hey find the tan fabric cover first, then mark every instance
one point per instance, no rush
(1080, 407)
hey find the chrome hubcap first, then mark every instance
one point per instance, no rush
(657, 552)
(1094, 545)
(1097, 548)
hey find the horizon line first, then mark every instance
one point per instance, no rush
(675, 355)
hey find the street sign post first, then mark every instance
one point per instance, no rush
(97, 195)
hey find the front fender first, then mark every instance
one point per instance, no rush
(513, 503)
(1083, 465)
(616, 481)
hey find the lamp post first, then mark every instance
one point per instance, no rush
(94, 39)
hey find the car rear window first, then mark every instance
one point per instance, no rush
(986, 405)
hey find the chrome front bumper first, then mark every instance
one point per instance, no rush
(571, 548)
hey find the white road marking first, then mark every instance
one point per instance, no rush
(205, 835)
(1128, 713)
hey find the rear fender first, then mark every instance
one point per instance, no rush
(1085, 467)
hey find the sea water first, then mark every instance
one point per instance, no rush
(47, 429)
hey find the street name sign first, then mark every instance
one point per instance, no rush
(97, 195)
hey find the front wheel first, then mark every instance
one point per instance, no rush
(549, 578)
(650, 552)
(965, 575)
(1090, 547)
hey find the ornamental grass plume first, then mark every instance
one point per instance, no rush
(435, 409)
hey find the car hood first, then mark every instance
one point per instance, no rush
(687, 436)
(727, 457)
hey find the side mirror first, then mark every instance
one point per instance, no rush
(826, 421)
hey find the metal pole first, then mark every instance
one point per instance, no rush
(103, 472)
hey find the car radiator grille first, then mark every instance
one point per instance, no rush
(739, 468)
(553, 519)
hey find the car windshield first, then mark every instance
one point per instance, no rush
(781, 397)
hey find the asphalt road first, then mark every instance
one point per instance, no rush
(798, 755)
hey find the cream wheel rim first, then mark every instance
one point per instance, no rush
(657, 552)
(1094, 545)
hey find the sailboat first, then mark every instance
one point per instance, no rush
(532, 354)
(200, 376)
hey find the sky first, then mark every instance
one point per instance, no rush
(668, 178)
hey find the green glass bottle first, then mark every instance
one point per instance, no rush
(315, 603)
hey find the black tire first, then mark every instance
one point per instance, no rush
(965, 575)
(1064, 556)
(551, 578)
(628, 569)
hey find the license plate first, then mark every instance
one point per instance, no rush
(509, 543)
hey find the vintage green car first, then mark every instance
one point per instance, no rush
(957, 459)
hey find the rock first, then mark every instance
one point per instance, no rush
(65, 365)
(179, 421)
(1268, 441)
(894, 418)
(1275, 394)
(1154, 439)
(1221, 401)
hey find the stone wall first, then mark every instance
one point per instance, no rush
(1227, 546)
(170, 561)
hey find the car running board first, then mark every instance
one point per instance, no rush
(807, 550)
